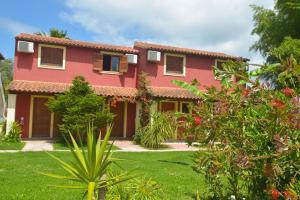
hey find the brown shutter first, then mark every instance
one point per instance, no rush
(98, 62)
(123, 64)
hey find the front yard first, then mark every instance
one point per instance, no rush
(11, 145)
(20, 178)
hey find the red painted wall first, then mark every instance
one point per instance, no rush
(23, 111)
(79, 61)
(197, 67)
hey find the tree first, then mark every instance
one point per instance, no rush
(78, 106)
(54, 32)
(6, 69)
(273, 26)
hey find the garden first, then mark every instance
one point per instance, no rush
(248, 131)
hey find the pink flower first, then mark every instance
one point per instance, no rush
(276, 103)
(197, 120)
(288, 91)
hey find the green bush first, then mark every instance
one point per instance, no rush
(78, 106)
(162, 127)
(137, 188)
(14, 134)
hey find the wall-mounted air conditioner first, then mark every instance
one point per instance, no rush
(25, 47)
(132, 58)
(153, 56)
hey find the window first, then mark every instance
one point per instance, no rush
(51, 56)
(185, 107)
(111, 63)
(218, 65)
(174, 65)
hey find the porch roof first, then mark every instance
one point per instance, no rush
(18, 86)
(176, 93)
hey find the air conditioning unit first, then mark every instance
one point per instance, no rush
(153, 56)
(132, 58)
(25, 47)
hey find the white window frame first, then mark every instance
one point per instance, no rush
(182, 102)
(111, 54)
(216, 65)
(175, 55)
(51, 66)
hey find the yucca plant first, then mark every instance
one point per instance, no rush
(90, 165)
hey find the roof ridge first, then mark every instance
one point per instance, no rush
(74, 42)
(150, 45)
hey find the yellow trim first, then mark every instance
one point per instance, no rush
(31, 115)
(125, 119)
(168, 101)
(182, 102)
(175, 55)
(49, 66)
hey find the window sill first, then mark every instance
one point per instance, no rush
(170, 74)
(111, 73)
(51, 67)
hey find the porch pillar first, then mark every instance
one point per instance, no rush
(153, 109)
(11, 111)
(137, 115)
(125, 119)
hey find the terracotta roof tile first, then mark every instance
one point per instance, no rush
(53, 88)
(172, 49)
(21, 86)
(77, 43)
(177, 93)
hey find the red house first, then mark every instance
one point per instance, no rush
(45, 66)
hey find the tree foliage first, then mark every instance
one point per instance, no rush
(78, 106)
(273, 26)
(144, 97)
(54, 32)
(6, 69)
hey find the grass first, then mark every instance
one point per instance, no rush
(61, 145)
(11, 145)
(20, 178)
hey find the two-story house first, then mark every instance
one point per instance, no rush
(45, 66)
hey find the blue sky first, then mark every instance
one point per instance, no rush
(214, 25)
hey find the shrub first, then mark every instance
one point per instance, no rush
(78, 106)
(89, 167)
(251, 136)
(162, 127)
(14, 134)
(139, 188)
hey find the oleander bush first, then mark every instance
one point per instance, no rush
(251, 132)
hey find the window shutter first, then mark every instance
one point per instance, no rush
(123, 64)
(98, 62)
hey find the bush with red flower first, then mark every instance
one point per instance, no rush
(252, 137)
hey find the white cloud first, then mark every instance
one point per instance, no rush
(212, 25)
(15, 27)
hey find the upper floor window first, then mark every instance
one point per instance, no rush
(111, 63)
(174, 65)
(51, 56)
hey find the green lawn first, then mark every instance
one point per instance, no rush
(59, 145)
(20, 179)
(11, 145)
